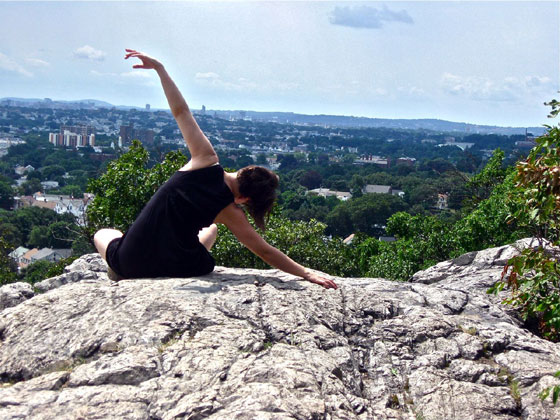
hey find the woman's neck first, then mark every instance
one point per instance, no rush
(230, 178)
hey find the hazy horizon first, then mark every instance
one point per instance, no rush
(487, 63)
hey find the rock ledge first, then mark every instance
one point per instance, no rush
(248, 344)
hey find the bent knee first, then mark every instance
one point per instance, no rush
(103, 237)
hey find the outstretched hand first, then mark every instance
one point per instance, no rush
(321, 281)
(147, 61)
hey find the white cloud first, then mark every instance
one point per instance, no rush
(145, 78)
(242, 84)
(483, 88)
(478, 88)
(214, 80)
(87, 52)
(37, 62)
(367, 16)
(538, 81)
(206, 76)
(411, 90)
(9, 64)
(137, 75)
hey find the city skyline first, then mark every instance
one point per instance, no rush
(489, 63)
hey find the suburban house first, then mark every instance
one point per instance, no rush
(325, 192)
(58, 203)
(23, 256)
(377, 189)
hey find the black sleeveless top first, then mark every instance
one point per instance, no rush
(163, 240)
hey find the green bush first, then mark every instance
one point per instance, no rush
(534, 276)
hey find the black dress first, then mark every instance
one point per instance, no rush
(163, 241)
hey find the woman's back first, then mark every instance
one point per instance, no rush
(163, 240)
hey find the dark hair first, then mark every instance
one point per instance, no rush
(259, 185)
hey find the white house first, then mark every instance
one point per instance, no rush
(325, 192)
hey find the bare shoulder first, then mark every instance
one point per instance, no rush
(200, 163)
(230, 215)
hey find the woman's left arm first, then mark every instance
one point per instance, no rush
(237, 223)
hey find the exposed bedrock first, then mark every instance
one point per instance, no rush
(248, 344)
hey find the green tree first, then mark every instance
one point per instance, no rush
(38, 237)
(36, 271)
(10, 232)
(6, 195)
(61, 234)
(311, 179)
(534, 276)
(52, 171)
(31, 186)
(480, 186)
(72, 190)
(356, 185)
(8, 267)
(261, 159)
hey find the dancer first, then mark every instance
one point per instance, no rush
(174, 232)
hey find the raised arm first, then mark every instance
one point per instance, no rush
(236, 221)
(202, 152)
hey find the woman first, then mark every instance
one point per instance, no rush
(174, 232)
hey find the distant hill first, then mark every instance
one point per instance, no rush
(49, 103)
(293, 118)
(350, 121)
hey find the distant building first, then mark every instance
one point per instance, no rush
(20, 170)
(442, 201)
(129, 133)
(26, 258)
(386, 239)
(376, 160)
(73, 136)
(49, 254)
(23, 256)
(17, 253)
(147, 107)
(58, 203)
(399, 193)
(406, 161)
(49, 185)
(325, 192)
(525, 144)
(461, 145)
(377, 189)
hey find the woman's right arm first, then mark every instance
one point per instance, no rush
(202, 152)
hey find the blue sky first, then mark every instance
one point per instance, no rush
(480, 62)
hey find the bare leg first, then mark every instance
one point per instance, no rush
(207, 236)
(102, 238)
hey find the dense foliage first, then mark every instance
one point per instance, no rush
(534, 275)
(424, 240)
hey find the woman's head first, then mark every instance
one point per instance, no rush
(259, 185)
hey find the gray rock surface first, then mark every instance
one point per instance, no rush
(15, 293)
(252, 344)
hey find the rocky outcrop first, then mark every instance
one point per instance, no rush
(248, 344)
(15, 293)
